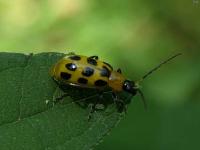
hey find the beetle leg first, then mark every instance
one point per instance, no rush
(61, 97)
(94, 57)
(92, 110)
(120, 103)
(93, 106)
(60, 92)
(71, 53)
(119, 70)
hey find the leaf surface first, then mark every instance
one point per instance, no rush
(30, 120)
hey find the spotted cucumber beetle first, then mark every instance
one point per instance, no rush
(90, 72)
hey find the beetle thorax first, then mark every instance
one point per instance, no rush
(116, 81)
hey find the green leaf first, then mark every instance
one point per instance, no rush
(29, 119)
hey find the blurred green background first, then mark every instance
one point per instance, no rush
(134, 35)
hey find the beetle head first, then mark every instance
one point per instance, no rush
(132, 88)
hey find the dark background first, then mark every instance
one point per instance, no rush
(134, 35)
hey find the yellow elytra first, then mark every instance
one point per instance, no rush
(87, 72)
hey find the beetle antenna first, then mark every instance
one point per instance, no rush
(143, 99)
(157, 67)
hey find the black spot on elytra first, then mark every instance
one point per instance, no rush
(92, 61)
(71, 66)
(100, 83)
(108, 65)
(88, 71)
(75, 57)
(105, 72)
(82, 80)
(65, 76)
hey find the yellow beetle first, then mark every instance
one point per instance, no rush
(90, 72)
(87, 72)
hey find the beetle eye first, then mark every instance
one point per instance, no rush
(129, 87)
